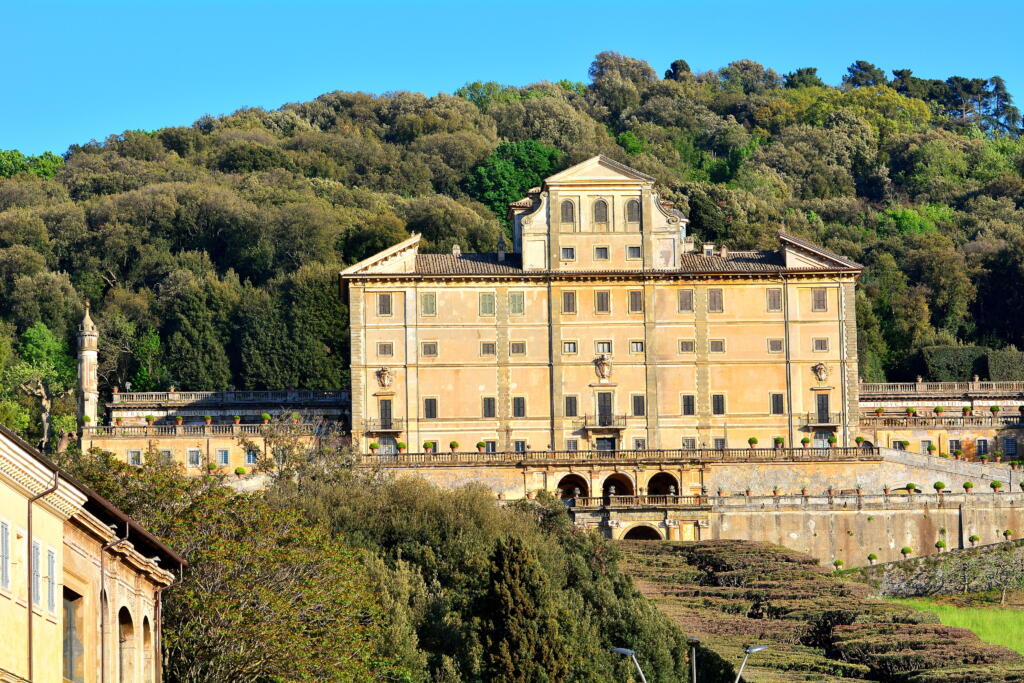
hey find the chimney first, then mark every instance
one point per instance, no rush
(456, 251)
(501, 248)
(724, 251)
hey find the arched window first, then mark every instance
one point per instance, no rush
(600, 211)
(633, 211)
(568, 212)
(126, 649)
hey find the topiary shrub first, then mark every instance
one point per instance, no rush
(752, 441)
(872, 557)
(951, 363)
(374, 445)
(940, 545)
(938, 486)
(239, 471)
(1007, 534)
(401, 445)
(973, 538)
(968, 485)
(837, 563)
(428, 445)
(453, 445)
(906, 550)
(996, 485)
(911, 487)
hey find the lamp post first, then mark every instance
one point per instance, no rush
(746, 653)
(694, 643)
(632, 655)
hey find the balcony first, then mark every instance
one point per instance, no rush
(821, 420)
(597, 502)
(602, 422)
(387, 425)
(940, 422)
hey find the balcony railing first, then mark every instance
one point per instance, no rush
(389, 424)
(228, 430)
(940, 422)
(892, 389)
(821, 419)
(228, 397)
(596, 502)
(602, 421)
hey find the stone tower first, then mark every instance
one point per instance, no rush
(88, 374)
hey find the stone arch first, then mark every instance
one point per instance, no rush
(567, 211)
(622, 483)
(568, 484)
(663, 484)
(642, 532)
(633, 211)
(147, 651)
(126, 646)
(600, 211)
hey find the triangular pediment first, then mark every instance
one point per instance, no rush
(800, 253)
(597, 170)
(399, 258)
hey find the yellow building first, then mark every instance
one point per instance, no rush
(80, 581)
(602, 328)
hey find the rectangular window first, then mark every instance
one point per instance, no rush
(428, 349)
(519, 406)
(428, 303)
(774, 300)
(719, 444)
(981, 446)
(516, 303)
(488, 349)
(689, 443)
(603, 346)
(222, 457)
(778, 404)
(689, 404)
(568, 302)
(74, 650)
(716, 302)
(490, 446)
(385, 349)
(384, 304)
(603, 302)
(568, 253)
(718, 404)
(636, 302)
(687, 346)
(925, 443)
(5, 555)
(686, 301)
(166, 457)
(775, 346)
(194, 456)
(819, 299)
(954, 445)
(1010, 445)
(600, 253)
(639, 406)
(636, 347)
(569, 347)
(486, 304)
(517, 348)
(717, 346)
(36, 596)
(633, 253)
(489, 407)
(572, 444)
(519, 446)
(821, 344)
(252, 456)
(639, 444)
(51, 580)
(571, 406)
(134, 457)
(430, 409)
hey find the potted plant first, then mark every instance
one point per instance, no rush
(968, 485)
(906, 550)
(480, 446)
(237, 419)
(938, 410)
(374, 446)
(859, 440)
(179, 419)
(210, 466)
(239, 472)
(804, 491)
(1007, 534)
(983, 458)
(994, 409)
(752, 441)
(879, 411)
(905, 444)
(832, 441)
(265, 417)
(939, 486)
(428, 446)
(966, 410)
(401, 445)
(931, 449)
(886, 489)
(295, 418)
(911, 487)
(805, 442)
(939, 545)
(453, 445)
(779, 442)
(998, 455)
(86, 419)
(837, 564)
(722, 493)
(996, 485)
(748, 493)
(958, 453)
(911, 411)
(208, 419)
(973, 538)
(860, 490)
(150, 420)
(775, 491)
(871, 558)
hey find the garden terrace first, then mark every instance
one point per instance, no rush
(226, 398)
(881, 391)
(939, 421)
(203, 430)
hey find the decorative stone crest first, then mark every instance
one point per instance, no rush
(821, 371)
(603, 366)
(384, 377)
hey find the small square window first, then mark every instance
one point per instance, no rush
(639, 444)
(568, 253)
(489, 407)
(603, 301)
(687, 346)
(571, 406)
(636, 347)
(686, 301)
(568, 302)
(819, 299)
(488, 349)
(384, 304)
(689, 443)
(774, 300)
(519, 406)
(194, 457)
(486, 304)
(716, 303)
(636, 302)
(821, 344)
(600, 253)
(517, 348)
(516, 303)
(569, 347)
(775, 346)
(519, 446)
(222, 457)
(572, 444)
(428, 303)
(430, 409)
(688, 404)
(719, 444)
(603, 346)
(429, 349)
(717, 346)
(385, 349)
(633, 253)
(134, 457)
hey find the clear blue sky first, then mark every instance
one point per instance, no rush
(79, 70)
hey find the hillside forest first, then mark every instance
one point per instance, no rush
(210, 251)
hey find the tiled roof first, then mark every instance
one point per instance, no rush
(467, 264)
(734, 262)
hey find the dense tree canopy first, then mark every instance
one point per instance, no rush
(183, 238)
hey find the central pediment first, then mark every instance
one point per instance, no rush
(599, 170)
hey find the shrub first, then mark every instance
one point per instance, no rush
(859, 440)
(932, 448)
(428, 445)
(211, 466)
(872, 557)
(453, 445)
(906, 550)
(958, 452)
(402, 445)
(150, 419)
(1007, 533)
(265, 417)
(940, 544)
(374, 445)
(779, 441)
(996, 485)
(837, 563)
(806, 440)
(994, 409)
(832, 439)
(968, 485)
(752, 441)
(938, 486)
(239, 471)
(905, 444)
(86, 419)
(1005, 364)
(481, 444)
(950, 363)
(911, 486)
(973, 538)
(296, 417)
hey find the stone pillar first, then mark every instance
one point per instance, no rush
(88, 374)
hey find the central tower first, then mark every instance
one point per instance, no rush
(88, 372)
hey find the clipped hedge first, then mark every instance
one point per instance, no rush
(1005, 364)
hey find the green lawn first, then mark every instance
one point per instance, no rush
(1000, 626)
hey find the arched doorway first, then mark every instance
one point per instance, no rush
(147, 651)
(642, 532)
(617, 485)
(572, 486)
(663, 484)
(126, 646)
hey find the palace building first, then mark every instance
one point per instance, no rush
(602, 328)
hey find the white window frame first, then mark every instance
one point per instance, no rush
(198, 460)
(689, 443)
(781, 342)
(486, 301)
(51, 580)
(768, 299)
(135, 457)
(567, 253)
(493, 348)
(36, 557)
(566, 350)
(631, 297)
(5, 554)
(599, 342)
(633, 346)
(639, 252)
(607, 251)
(517, 309)
(597, 298)
(252, 457)
(223, 457)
